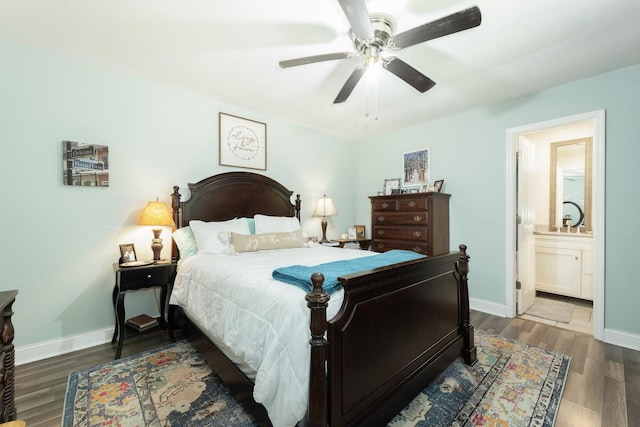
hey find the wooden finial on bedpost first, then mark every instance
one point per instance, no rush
(298, 205)
(317, 301)
(175, 211)
(462, 267)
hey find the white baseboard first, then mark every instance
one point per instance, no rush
(489, 307)
(44, 350)
(623, 339)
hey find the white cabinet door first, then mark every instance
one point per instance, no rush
(558, 271)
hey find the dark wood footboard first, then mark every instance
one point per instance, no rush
(399, 327)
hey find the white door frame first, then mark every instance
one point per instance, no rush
(598, 188)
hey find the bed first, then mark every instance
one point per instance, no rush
(372, 346)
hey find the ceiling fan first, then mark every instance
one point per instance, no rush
(374, 34)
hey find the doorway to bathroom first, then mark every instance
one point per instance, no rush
(572, 257)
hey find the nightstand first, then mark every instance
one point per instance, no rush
(364, 243)
(131, 278)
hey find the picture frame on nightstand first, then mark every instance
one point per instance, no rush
(127, 253)
(351, 232)
(360, 231)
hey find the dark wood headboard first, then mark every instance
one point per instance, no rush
(232, 195)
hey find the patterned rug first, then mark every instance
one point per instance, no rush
(169, 386)
(512, 384)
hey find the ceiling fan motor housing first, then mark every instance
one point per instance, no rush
(383, 28)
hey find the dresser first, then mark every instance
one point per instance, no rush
(417, 222)
(7, 357)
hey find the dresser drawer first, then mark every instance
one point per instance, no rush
(401, 218)
(133, 277)
(401, 233)
(385, 205)
(412, 204)
(382, 245)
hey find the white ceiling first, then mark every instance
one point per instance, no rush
(229, 50)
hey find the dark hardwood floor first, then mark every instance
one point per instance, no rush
(602, 389)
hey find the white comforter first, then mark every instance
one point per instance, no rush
(260, 323)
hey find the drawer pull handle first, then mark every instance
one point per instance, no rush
(380, 245)
(148, 276)
(417, 233)
(417, 249)
(385, 205)
(412, 204)
(417, 218)
(380, 232)
(381, 218)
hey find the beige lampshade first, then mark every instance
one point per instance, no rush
(156, 213)
(324, 207)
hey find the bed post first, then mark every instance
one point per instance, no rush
(462, 267)
(298, 206)
(175, 210)
(317, 301)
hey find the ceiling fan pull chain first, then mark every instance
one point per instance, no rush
(375, 96)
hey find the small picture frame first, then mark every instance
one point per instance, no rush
(390, 185)
(352, 232)
(424, 188)
(127, 253)
(360, 231)
(438, 185)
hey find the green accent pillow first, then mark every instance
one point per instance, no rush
(186, 242)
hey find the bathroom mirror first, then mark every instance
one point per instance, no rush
(570, 181)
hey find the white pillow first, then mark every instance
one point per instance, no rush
(276, 224)
(185, 241)
(206, 234)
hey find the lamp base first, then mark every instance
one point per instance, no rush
(324, 239)
(156, 244)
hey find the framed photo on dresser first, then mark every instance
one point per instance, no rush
(391, 185)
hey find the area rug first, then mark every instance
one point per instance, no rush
(512, 384)
(550, 309)
(168, 386)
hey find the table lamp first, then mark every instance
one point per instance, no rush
(324, 208)
(156, 214)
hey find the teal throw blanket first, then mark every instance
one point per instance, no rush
(300, 275)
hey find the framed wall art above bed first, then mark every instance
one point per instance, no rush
(242, 142)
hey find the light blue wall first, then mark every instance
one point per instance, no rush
(468, 151)
(60, 242)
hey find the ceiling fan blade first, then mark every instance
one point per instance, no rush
(459, 21)
(351, 83)
(409, 74)
(358, 17)
(316, 58)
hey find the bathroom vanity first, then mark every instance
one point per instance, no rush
(564, 264)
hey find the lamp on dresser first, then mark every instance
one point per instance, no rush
(324, 208)
(158, 215)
